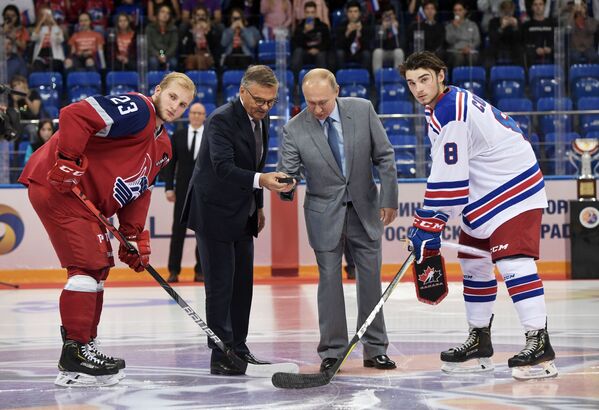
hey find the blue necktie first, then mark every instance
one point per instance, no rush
(333, 139)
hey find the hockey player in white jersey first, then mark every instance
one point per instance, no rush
(483, 171)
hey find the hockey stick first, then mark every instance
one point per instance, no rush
(458, 247)
(263, 370)
(304, 381)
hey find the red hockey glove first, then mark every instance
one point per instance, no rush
(140, 259)
(67, 172)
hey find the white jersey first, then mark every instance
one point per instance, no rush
(482, 166)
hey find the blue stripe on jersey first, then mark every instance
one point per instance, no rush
(531, 287)
(506, 204)
(124, 115)
(465, 105)
(445, 202)
(445, 110)
(444, 185)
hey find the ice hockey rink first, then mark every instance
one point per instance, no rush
(168, 361)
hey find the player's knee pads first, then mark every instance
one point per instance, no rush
(81, 283)
(514, 268)
(478, 269)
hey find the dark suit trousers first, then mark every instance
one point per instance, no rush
(178, 233)
(228, 280)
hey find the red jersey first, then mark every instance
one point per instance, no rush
(124, 149)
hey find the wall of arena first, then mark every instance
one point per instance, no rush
(24, 245)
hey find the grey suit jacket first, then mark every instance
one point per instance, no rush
(304, 150)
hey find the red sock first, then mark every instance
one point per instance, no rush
(98, 312)
(77, 311)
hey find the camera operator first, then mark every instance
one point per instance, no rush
(28, 105)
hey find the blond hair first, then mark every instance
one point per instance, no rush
(323, 74)
(182, 79)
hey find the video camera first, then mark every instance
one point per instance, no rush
(10, 119)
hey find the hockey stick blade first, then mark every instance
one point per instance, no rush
(309, 380)
(263, 370)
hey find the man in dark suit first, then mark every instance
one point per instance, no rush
(224, 208)
(186, 145)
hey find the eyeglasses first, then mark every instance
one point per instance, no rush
(261, 101)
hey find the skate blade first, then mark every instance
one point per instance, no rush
(74, 379)
(480, 365)
(540, 371)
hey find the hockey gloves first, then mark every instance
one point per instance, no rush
(425, 233)
(137, 261)
(66, 172)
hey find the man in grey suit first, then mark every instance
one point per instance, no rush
(335, 142)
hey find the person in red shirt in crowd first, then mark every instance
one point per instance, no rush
(87, 47)
(99, 11)
(122, 46)
(113, 148)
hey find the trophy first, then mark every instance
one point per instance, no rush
(587, 150)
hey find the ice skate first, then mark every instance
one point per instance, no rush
(535, 361)
(472, 356)
(79, 367)
(93, 347)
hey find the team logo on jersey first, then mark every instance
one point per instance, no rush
(12, 229)
(130, 188)
(430, 277)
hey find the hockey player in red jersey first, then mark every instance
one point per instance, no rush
(113, 147)
(485, 171)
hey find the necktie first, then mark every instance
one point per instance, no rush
(333, 139)
(258, 139)
(193, 144)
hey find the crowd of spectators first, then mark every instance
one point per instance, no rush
(101, 35)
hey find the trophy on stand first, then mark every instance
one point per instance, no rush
(586, 150)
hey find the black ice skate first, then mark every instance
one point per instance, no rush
(535, 361)
(477, 347)
(79, 367)
(94, 348)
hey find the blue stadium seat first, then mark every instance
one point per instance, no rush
(121, 82)
(267, 51)
(231, 81)
(83, 84)
(205, 94)
(473, 79)
(51, 111)
(404, 161)
(353, 91)
(209, 108)
(393, 92)
(353, 76)
(518, 105)
(584, 80)
(406, 142)
(154, 78)
(507, 81)
(550, 142)
(548, 122)
(337, 17)
(533, 138)
(387, 75)
(204, 78)
(543, 79)
(397, 125)
(589, 122)
(48, 85)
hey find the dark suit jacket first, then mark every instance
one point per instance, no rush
(221, 190)
(179, 168)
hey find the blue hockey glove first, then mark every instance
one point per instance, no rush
(425, 233)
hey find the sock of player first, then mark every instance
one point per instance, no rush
(78, 306)
(98, 311)
(526, 290)
(480, 290)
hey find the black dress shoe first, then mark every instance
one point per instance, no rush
(173, 278)
(251, 359)
(225, 368)
(327, 363)
(198, 277)
(380, 362)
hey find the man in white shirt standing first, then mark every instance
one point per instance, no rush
(186, 145)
